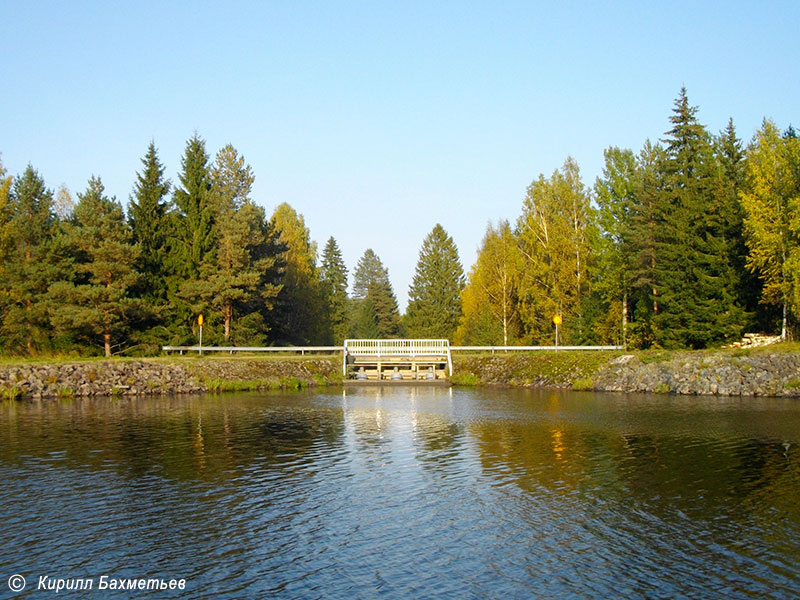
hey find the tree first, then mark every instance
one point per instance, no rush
(375, 307)
(697, 287)
(97, 301)
(193, 238)
(6, 216)
(368, 270)
(553, 234)
(489, 300)
(333, 276)
(771, 202)
(29, 262)
(300, 309)
(234, 279)
(434, 305)
(616, 197)
(148, 218)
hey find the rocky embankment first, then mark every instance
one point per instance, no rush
(723, 374)
(153, 377)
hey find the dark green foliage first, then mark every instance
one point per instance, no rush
(368, 270)
(147, 215)
(29, 266)
(193, 219)
(333, 276)
(434, 306)
(95, 302)
(375, 308)
(697, 284)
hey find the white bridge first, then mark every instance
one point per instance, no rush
(396, 360)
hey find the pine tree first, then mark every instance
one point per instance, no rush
(231, 283)
(333, 276)
(97, 303)
(434, 304)
(147, 215)
(29, 263)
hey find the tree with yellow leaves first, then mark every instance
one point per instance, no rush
(771, 203)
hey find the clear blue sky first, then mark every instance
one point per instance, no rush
(376, 120)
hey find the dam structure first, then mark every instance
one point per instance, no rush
(397, 361)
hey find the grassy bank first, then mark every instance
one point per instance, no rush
(570, 369)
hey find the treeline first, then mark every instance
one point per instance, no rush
(82, 277)
(686, 243)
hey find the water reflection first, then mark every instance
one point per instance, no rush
(409, 492)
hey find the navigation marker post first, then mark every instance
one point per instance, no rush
(557, 322)
(200, 323)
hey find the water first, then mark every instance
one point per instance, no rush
(406, 493)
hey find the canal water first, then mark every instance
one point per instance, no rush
(405, 493)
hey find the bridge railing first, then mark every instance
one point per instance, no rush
(401, 348)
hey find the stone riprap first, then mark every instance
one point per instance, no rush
(96, 379)
(768, 374)
(144, 377)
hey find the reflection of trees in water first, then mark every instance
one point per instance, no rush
(665, 468)
(210, 437)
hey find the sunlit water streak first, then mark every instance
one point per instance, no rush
(407, 492)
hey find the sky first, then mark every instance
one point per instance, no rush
(377, 120)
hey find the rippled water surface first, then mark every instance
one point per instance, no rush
(406, 493)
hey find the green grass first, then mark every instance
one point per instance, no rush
(464, 379)
(582, 385)
(11, 393)
(793, 384)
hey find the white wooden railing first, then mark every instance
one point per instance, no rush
(401, 348)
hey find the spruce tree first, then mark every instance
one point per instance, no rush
(697, 287)
(333, 275)
(193, 227)
(29, 263)
(374, 300)
(368, 270)
(96, 304)
(147, 215)
(434, 306)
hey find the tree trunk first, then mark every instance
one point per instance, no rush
(107, 343)
(228, 312)
(783, 323)
(625, 321)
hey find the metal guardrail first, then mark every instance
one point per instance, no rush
(232, 349)
(528, 348)
(304, 349)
